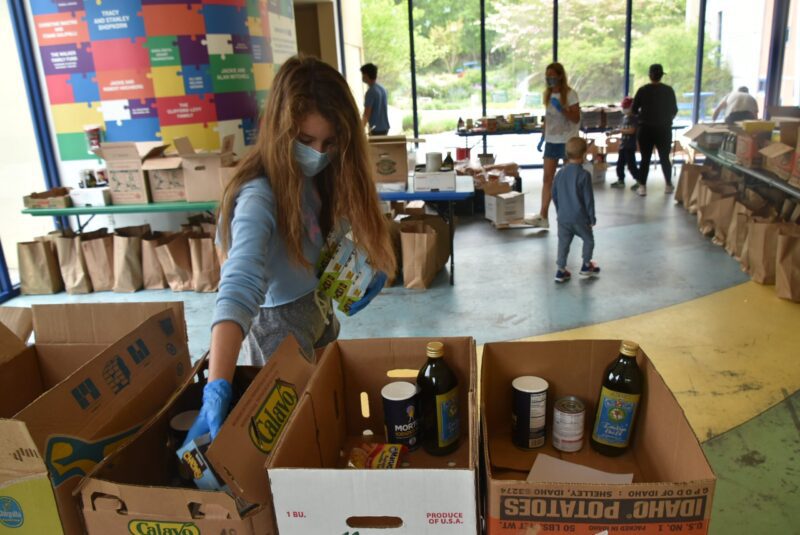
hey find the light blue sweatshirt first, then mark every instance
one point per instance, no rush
(573, 195)
(258, 271)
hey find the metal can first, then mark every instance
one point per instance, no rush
(400, 414)
(568, 420)
(528, 411)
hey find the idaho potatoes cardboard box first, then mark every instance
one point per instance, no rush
(81, 397)
(673, 484)
(312, 491)
(139, 486)
(27, 506)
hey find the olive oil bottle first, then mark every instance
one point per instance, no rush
(617, 403)
(438, 403)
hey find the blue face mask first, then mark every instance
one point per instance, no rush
(552, 81)
(310, 161)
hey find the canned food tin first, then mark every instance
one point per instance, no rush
(528, 411)
(568, 421)
(400, 414)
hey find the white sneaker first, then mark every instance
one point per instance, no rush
(641, 191)
(537, 221)
(669, 189)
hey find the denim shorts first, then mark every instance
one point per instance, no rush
(555, 151)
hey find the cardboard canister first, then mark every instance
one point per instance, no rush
(433, 162)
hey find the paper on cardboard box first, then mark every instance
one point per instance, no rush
(204, 172)
(90, 196)
(441, 181)
(122, 491)
(673, 484)
(126, 176)
(433, 495)
(504, 208)
(165, 177)
(27, 505)
(73, 365)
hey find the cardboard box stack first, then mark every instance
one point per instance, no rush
(673, 484)
(778, 159)
(707, 136)
(124, 493)
(341, 407)
(125, 167)
(206, 173)
(96, 373)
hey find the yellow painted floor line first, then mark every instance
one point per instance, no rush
(727, 356)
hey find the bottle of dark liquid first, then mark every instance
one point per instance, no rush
(438, 403)
(460, 126)
(617, 403)
(447, 164)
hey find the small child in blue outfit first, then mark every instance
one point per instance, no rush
(574, 200)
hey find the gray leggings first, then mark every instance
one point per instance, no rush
(567, 231)
(303, 318)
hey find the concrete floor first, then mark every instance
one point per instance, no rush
(726, 347)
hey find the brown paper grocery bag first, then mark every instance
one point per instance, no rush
(709, 194)
(205, 263)
(128, 258)
(72, 264)
(787, 263)
(99, 256)
(419, 254)
(442, 235)
(152, 274)
(176, 261)
(761, 246)
(690, 174)
(394, 234)
(38, 268)
(737, 228)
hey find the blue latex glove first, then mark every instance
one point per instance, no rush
(373, 289)
(541, 143)
(556, 104)
(216, 400)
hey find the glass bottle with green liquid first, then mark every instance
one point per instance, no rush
(617, 403)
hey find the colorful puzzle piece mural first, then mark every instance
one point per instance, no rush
(150, 70)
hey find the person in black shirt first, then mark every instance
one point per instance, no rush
(656, 106)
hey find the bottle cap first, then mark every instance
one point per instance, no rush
(629, 348)
(435, 350)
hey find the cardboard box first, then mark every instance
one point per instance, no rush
(313, 493)
(442, 181)
(54, 198)
(19, 321)
(414, 208)
(123, 491)
(597, 170)
(788, 129)
(205, 172)
(27, 505)
(673, 484)
(496, 187)
(126, 176)
(778, 159)
(707, 136)
(90, 196)
(165, 177)
(389, 158)
(747, 149)
(80, 395)
(504, 208)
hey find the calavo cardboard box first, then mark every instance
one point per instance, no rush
(81, 397)
(137, 489)
(389, 158)
(126, 174)
(204, 173)
(312, 491)
(673, 484)
(27, 506)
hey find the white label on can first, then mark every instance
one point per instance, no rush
(568, 425)
(568, 445)
(538, 410)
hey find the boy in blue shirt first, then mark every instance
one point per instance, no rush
(574, 200)
(376, 113)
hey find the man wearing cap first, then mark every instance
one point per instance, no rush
(656, 106)
(738, 105)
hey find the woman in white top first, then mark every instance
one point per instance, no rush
(562, 121)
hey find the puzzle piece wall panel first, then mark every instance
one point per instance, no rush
(155, 70)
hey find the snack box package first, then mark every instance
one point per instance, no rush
(328, 279)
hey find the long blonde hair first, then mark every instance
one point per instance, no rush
(565, 88)
(304, 85)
